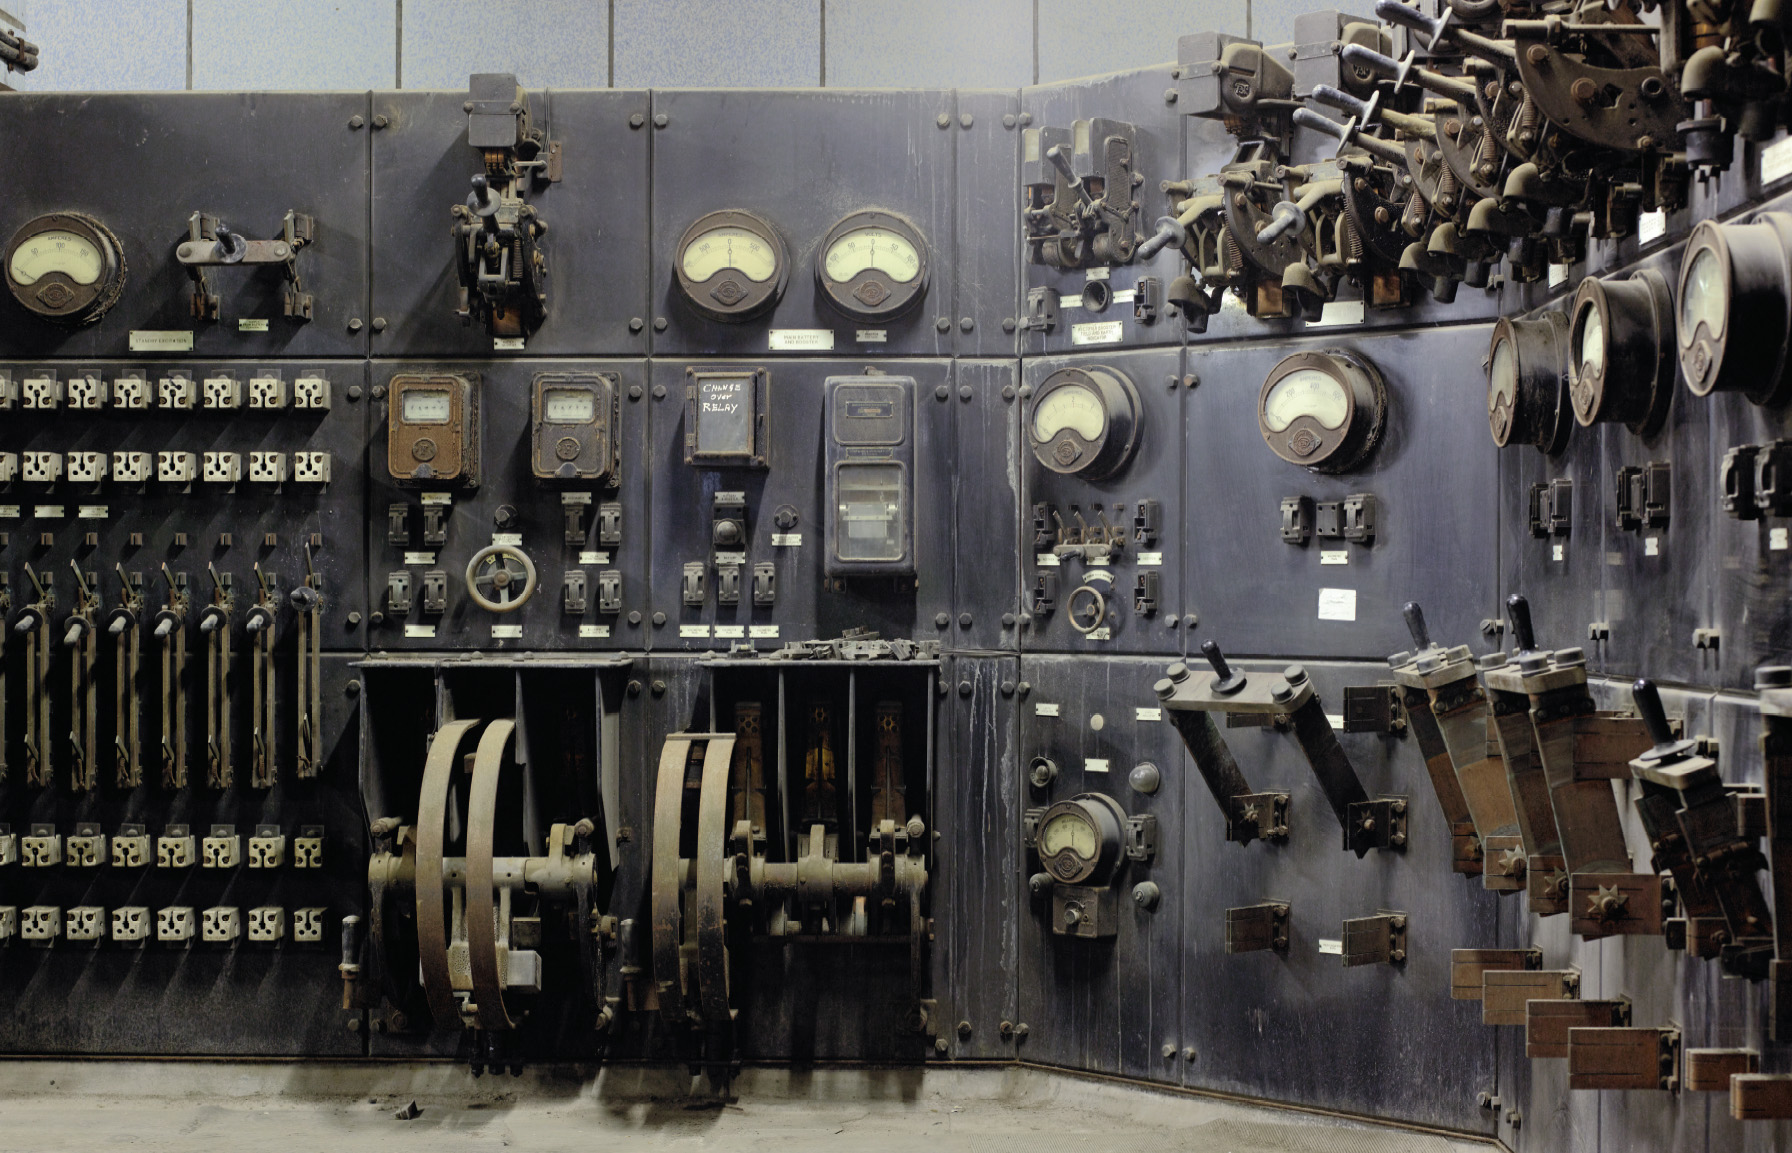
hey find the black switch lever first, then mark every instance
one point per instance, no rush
(482, 202)
(1224, 679)
(1394, 12)
(1369, 60)
(1061, 162)
(1518, 610)
(1343, 102)
(1415, 624)
(1655, 719)
(231, 247)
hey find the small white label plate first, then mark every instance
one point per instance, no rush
(731, 558)
(1099, 272)
(787, 540)
(151, 341)
(1651, 226)
(1042, 709)
(1337, 604)
(11, 512)
(1142, 714)
(694, 632)
(1776, 160)
(1651, 546)
(1099, 561)
(251, 324)
(436, 498)
(1125, 295)
(1045, 559)
(1558, 552)
(1558, 275)
(1338, 312)
(801, 339)
(513, 539)
(1100, 634)
(1334, 556)
(763, 632)
(589, 557)
(1097, 332)
(1776, 537)
(49, 511)
(731, 632)
(422, 558)
(1095, 764)
(91, 512)
(594, 632)
(1335, 720)
(1151, 559)
(1329, 945)
(873, 335)
(507, 344)
(420, 632)
(507, 632)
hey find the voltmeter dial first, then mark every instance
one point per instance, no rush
(66, 267)
(1735, 316)
(1527, 382)
(732, 266)
(1323, 410)
(1079, 839)
(1620, 343)
(1085, 422)
(873, 266)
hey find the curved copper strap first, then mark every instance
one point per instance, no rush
(668, 881)
(482, 919)
(712, 865)
(432, 918)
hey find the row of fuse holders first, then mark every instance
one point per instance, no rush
(176, 392)
(177, 847)
(177, 926)
(169, 467)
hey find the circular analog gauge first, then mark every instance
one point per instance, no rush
(65, 267)
(873, 267)
(1079, 839)
(1322, 410)
(1527, 382)
(732, 266)
(1085, 422)
(1737, 278)
(1619, 367)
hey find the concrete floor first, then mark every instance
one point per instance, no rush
(342, 1108)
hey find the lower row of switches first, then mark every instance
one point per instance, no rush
(177, 926)
(305, 467)
(177, 847)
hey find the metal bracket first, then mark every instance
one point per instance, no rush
(1377, 940)
(1253, 928)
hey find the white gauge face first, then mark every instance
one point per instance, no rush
(1072, 832)
(730, 246)
(1075, 408)
(56, 251)
(568, 406)
(1706, 299)
(1592, 342)
(877, 248)
(426, 406)
(1502, 375)
(1306, 392)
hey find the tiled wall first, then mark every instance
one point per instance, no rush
(135, 45)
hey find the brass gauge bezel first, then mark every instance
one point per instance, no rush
(1754, 261)
(442, 453)
(727, 295)
(1307, 442)
(56, 296)
(1537, 410)
(1068, 867)
(872, 296)
(1633, 382)
(1066, 451)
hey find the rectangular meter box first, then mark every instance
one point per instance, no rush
(870, 475)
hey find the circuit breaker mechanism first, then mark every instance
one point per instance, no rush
(719, 880)
(1079, 209)
(497, 233)
(211, 245)
(481, 924)
(1084, 845)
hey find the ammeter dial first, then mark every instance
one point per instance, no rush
(1079, 839)
(1620, 364)
(1085, 421)
(732, 266)
(873, 266)
(1735, 315)
(66, 267)
(1527, 382)
(1323, 410)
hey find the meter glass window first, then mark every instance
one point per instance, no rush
(426, 406)
(1705, 299)
(569, 406)
(869, 513)
(730, 247)
(1076, 408)
(1589, 352)
(56, 251)
(1307, 392)
(1070, 831)
(725, 416)
(878, 248)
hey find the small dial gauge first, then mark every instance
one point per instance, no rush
(873, 266)
(1621, 336)
(1085, 422)
(1323, 410)
(1527, 382)
(426, 406)
(1079, 839)
(732, 266)
(1734, 325)
(66, 267)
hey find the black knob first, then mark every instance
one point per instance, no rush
(1648, 704)
(1224, 679)
(1370, 60)
(230, 246)
(1415, 624)
(1518, 610)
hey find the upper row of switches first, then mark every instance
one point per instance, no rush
(176, 392)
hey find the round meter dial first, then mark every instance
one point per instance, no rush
(1620, 364)
(1527, 382)
(873, 267)
(1085, 422)
(1323, 410)
(1735, 286)
(732, 266)
(66, 267)
(1079, 839)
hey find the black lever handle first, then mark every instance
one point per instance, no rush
(1307, 118)
(1343, 101)
(1518, 610)
(1224, 679)
(1415, 624)
(1394, 12)
(1648, 704)
(230, 246)
(1061, 162)
(1357, 56)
